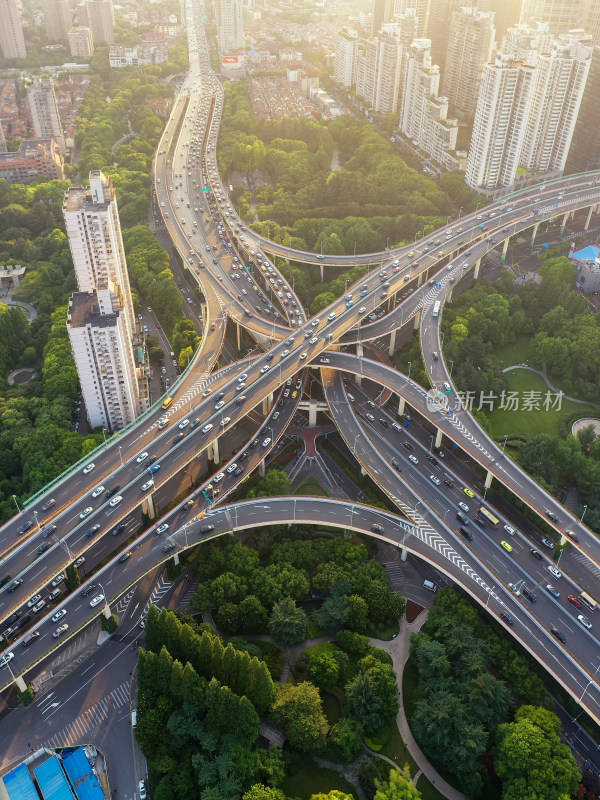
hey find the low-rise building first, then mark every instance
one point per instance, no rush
(35, 158)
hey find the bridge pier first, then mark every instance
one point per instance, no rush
(363, 471)
(476, 270)
(239, 335)
(419, 279)
(359, 353)
(438, 438)
(322, 273)
(261, 468)
(312, 414)
(175, 558)
(214, 456)
(392, 346)
(148, 507)
(267, 404)
(20, 683)
(401, 406)
(418, 319)
(488, 479)
(504, 249)
(589, 216)
(403, 554)
(563, 223)
(106, 612)
(534, 233)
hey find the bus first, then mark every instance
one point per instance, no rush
(488, 517)
(436, 308)
(589, 601)
(167, 403)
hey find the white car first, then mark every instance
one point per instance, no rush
(554, 571)
(314, 340)
(303, 356)
(218, 478)
(142, 788)
(232, 467)
(464, 507)
(80, 561)
(183, 424)
(285, 353)
(96, 600)
(266, 442)
(225, 421)
(219, 405)
(141, 457)
(59, 615)
(98, 491)
(207, 428)
(510, 530)
(60, 630)
(584, 621)
(147, 485)
(85, 512)
(58, 580)
(6, 658)
(35, 599)
(414, 459)
(243, 377)
(162, 528)
(115, 501)
(264, 369)
(88, 469)
(435, 479)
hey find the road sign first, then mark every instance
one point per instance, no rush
(205, 189)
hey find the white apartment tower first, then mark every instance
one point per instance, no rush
(58, 17)
(101, 19)
(408, 8)
(44, 111)
(12, 42)
(230, 23)
(346, 47)
(101, 320)
(81, 41)
(526, 43)
(423, 115)
(471, 40)
(561, 15)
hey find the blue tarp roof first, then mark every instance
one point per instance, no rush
(19, 784)
(587, 254)
(52, 780)
(82, 778)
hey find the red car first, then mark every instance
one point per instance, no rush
(575, 600)
(158, 325)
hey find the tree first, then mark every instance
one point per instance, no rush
(398, 786)
(333, 614)
(275, 483)
(288, 624)
(334, 794)
(228, 618)
(371, 697)
(358, 612)
(252, 615)
(261, 792)
(344, 742)
(324, 669)
(299, 710)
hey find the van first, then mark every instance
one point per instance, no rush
(30, 638)
(466, 533)
(350, 397)
(462, 518)
(430, 586)
(167, 402)
(134, 718)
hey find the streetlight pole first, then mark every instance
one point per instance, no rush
(504, 443)
(14, 497)
(37, 522)
(582, 516)
(409, 366)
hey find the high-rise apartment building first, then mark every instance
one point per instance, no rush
(3, 147)
(44, 111)
(424, 115)
(526, 43)
(378, 69)
(101, 19)
(471, 40)
(381, 11)
(12, 42)
(526, 112)
(58, 18)
(592, 21)
(584, 153)
(561, 15)
(101, 320)
(81, 41)
(366, 70)
(230, 23)
(346, 47)
(406, 8)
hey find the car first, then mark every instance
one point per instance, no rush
(370, 417)
(218, 478)
(26, 527)
(168, 546)
(264, 369)
(125, 557)
(141, 457)
(468, 492)
(584, 621)
(507, 618)
(85, 512)
(115, 501)
(59, 579)
(414, 459)
(232, 467)
(13, 618)
(37, 597)
(119, 528)
(575, 600)
(528, 594)
(183, 424)
(464, 507)
(384, 423)
(14, 585)
(207, 428)
(96, 600)
(148, 485)
(510, 530)
(219, 405)
(88, 590)
(554, 571)
(551, 515)
(536, 553)
(408, 446)
(89, 468)
(225, 421)
(505, 545)
(6, 658)
(113, 491)
(435, 479)
(142, 790)
(552, 590)
(572, 535)
(324, 361)
(79, 562)
(48, 504)
(547, 543)
(59, 615)
(559, 634)
(91, 531)
(38, 606)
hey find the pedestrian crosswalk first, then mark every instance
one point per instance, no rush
(587, 563)
(395, 572)
(84, 727)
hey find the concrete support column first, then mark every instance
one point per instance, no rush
(476, 270)
(322, 273)
(20, 683)
(148, 507)
(419, 279)
(176, 558)
(261, 468)
(267, 404)
(215, 451)
(488, 479)
(564, 221)
(401, 406)
(438, 438)
(589, 216)
(403, 554)
(392, 346)
(504, 249)
(418, 319)
(239, 335)
(359, 353)
(534, 233)
(312, 413)
(363, 471)
(106, 612)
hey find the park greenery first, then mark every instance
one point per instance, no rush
(469, 684)
(563, 340)
(372, 200)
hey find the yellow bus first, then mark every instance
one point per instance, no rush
(167, 402)
(488, 517)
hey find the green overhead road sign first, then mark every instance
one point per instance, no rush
(205, 189)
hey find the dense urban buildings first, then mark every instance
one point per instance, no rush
(101, 321)
(12, 42)
(230, 25)
(35, 158)
(44, 111)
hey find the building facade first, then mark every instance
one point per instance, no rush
(584, 153)
(561, 15)
(12, 42)
(346, 49)
(44, 111)
(101, 323)
(101, 19)
(81, 41)
(35, 158)
(58, 18)
(230, 25)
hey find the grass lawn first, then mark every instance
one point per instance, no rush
(515, 423)
(410, 678)
(333, 705)
(388, 630)
(428, 790)
(311, 779)
(515, 353)
(395, 749)
(312, 487)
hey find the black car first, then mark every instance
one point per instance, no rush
(559, 635)
(14, 585)
(42, 548)
(48, 530)
(179, 437)
(119, 529)
(110, 492)
(551, 515)
(384, 422)
(433, 460)
(13, 618)
(244, 455)
(466, 533)
(238, 471)
(479, 521)
(528, 594)
(448, 481)
(193, 424)
(507, 618)
(125, 557)
(536, 553)
(254, 443)
(408, 446)
(24, 620)
(88, 590)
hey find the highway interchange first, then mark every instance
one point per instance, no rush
(273, 382)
